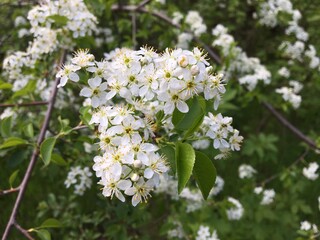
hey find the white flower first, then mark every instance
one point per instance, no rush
(310, 171)
(80, 178)
(284, 72)
(305, 226)
(246, 171)
(68, 72)
(82, 58)
(268, 196)
(96, 91)
(172, 99)
(235, 212)
(113, 185)
(140, 191)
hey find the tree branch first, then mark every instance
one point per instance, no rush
(288, 125)
(35, 154)
(142, 4)
(23, 104)
(23, 231)
(299, 159)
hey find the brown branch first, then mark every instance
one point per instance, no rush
(12, 190)
(35, 154)
(143, 3)
(23, 104)
(79, 127)
(289, 125)
(23, 231)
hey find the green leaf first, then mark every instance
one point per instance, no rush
(169, 152)
(43, 234)
(185, 158)
(58, 19)
(177, 116)
(13, 141)
(86, 116)
(5, 127)
(28, 130)
(46, 149)
(57, 159)
(5, 86)
(13, 177)
(191, 120)
(50, 223)
(205, 173)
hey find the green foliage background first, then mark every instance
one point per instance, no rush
(268, 146)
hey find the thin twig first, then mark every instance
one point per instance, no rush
(35, 154)
(23, 231)
(289, 125)
(142, 4)
(11, 190)
(299, 159)
(79, 127)
(23, 104)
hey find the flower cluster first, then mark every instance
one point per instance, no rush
(176, 232)
(129, 163)
(267, 195)
(269, 11)
(195, 24)
(268, 16)
(78, 21)
(218, 129)
(310, 171)
(250, 69)
(80, 178)
(289, 94)
(126, 91)
(246, 171)
(195, 21)
(309, 227)
(204, 234)
(235, 212)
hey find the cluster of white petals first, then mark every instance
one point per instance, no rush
(250, 69)
(270, 9)
(290, 94)
(195, 21)
(127, 90)
(218, 130)
(204, 234)
(268, 195)
(236, 211)
(176, 232)
(307, 226)
(76, 21)
(298, 50)
(246, 171)
(310, 171)
(80, 178)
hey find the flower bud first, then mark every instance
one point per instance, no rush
(195, 70)
(183, 61)
(209, 69)
(134, 177)
(137, 163)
